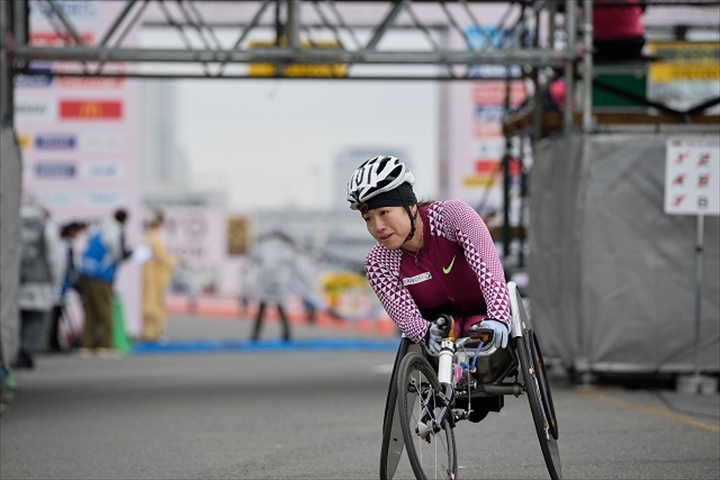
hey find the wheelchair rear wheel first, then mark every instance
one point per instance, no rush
(392, 439)
(435, 455)
(537, 389)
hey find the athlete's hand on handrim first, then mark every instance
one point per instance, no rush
(436, 332)
(501, 331)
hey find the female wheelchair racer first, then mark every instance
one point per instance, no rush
(431, 260)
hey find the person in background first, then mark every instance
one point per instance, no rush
(431, 260)
(40, 274)
(248, 277)
(275, 259)
(68, 234)
(618, 32)
(105, 250)
(156, 273)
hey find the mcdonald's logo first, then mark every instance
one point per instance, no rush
(90, 109)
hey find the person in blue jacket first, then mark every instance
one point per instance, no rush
(104, 251)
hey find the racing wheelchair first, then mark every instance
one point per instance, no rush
(429, 395)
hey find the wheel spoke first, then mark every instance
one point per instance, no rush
(432, 454)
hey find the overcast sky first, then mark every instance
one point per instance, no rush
(271, 143)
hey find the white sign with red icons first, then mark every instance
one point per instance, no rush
(692, 176)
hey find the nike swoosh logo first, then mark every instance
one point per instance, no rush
(447, 269)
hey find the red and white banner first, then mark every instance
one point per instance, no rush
(80, 137)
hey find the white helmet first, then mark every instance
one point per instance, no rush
(375, 176)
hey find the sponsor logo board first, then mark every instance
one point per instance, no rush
(56, 198)
(102, 142)
(89, 82)
(490, 92)
(91, 109)
(478, 181)
(487, 130)
(61, 68)
(40, 77)
(35, 110)
(105, 198)
(54, 141)
(76, 10)
(46, 170)
(489, 148)
(489, 113)
(53, 39)
(103, 170)
(492, 167)
(23, 140)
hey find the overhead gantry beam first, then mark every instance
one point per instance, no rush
(319, 32)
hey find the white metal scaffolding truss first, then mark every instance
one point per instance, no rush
(214, 36)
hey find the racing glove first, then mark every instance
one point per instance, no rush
(501, 331)
(436, 332)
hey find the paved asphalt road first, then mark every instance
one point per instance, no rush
(315, 414)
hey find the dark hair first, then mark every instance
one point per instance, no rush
(121, 215)
(159, 216)
(72, 228)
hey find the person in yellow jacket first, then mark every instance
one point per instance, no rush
(156, 273)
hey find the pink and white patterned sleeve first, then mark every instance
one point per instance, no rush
(383, 273)
(463, 225)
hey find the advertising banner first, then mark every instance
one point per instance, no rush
(211, 245)
(80, 137)
(476, 144)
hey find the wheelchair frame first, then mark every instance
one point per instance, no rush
(522, 359)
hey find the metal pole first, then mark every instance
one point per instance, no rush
(292, 25)
(698, 292)
(20, 22)
(552, 9)
(588, 66)
(7, 103)
(571, 33)
(506, 232)
(118, 20)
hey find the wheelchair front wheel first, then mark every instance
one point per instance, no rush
(434, 456)
(540, 399)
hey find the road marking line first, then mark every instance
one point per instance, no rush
(655, 411)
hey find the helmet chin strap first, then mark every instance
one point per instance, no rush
(413, 217)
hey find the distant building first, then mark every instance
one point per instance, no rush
(345, 164)
(161, 161)
(179, 196)
(164, 165)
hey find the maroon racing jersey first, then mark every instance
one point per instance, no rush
(458, 272)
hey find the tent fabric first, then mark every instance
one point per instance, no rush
(10, 184)
(612, 277)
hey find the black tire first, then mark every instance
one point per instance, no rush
(392, 441)
(545, 394)
(417, 386)
(535, 382)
